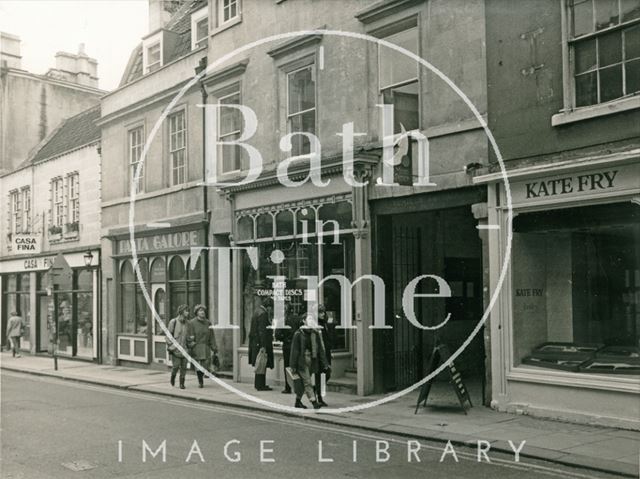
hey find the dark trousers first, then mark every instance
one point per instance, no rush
(286, 355)
(179, 364)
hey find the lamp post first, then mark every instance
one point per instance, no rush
(88, 258)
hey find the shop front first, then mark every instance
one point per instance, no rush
(566, 329)
(169, 274)
(306, 237)
(27, 289)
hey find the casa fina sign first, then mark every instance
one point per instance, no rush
(25, 244)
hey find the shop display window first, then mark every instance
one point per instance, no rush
(16, 298)
(576, 289)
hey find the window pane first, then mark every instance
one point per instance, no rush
(610, 49)
(231, 155)
(606, 13)
(177, 270)
(65, 323)
(141, 313)
(302, 90)
(583, 316)
(305, 122)
(126, 275)
(405, 101)
(230, 118)
(632, 43)
(338, 212)
(630, 9)
(85, 279)
(585, 53)
(128, 308)
(84, 335)
(633, 77)
(265, 225)
(158, 271)
(396, 67)
(586, 89)
(284, 223)
(610, 83)
(582, 17)
(306, 216)
(195, 272)
(202, 29)
(245, 228)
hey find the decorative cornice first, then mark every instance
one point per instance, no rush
(295, 44)
(231, 71)
(331, 166)
(383, 9)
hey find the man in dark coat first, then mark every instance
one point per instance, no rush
(261, 338)
(286, 336)
(307, 358)
(326, 332)
(204, 343)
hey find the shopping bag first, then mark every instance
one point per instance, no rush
(261, 362)
(296, 380)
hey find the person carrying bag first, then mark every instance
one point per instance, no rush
(180, 330)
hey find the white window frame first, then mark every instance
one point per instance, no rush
(147, 44)
(135, 149)
(73, 185)
(222, 9)
(25, 192)
(221, 137)
(57, 202)
(311, 64)
(196, 18)
(15, 201)
(570, 113)
(175, 150)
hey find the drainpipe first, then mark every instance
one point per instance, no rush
(205, 199)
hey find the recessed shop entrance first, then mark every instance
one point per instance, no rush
(445, 243)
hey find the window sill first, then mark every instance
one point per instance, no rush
(627, 384)
(595, 111)
(226, 25)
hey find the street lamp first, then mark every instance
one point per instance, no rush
(88, 257)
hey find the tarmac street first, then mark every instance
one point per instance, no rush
(53, 428)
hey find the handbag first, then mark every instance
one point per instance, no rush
(261, 362)
(296, 380)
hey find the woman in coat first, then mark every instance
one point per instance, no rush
(307, 357)
(204, 341)
(261, 338)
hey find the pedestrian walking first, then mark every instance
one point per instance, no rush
(307, 358)
(326, 333)
(286, 336)
(261, 344)
(204, 343)
(15, 328)
(180, 328)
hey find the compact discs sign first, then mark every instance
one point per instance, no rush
(26, 244)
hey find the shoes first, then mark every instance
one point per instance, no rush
(182, 386)
(18, 355)
(286, 391)
(316, 405)
(200, 385)
(299, 404)
(260, 383)
(173, 380)
(322, 403)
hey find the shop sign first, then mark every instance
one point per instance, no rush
(44, 262)
(607, 180)
(25, 244)
(286, 294)
(161, 242)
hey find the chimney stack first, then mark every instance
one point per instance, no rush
(10, 51)
(158, 15)
(79, 68)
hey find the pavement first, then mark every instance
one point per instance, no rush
(595, 448)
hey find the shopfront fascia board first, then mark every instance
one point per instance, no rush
(43, 261)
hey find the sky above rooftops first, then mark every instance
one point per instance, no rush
(110, 30)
